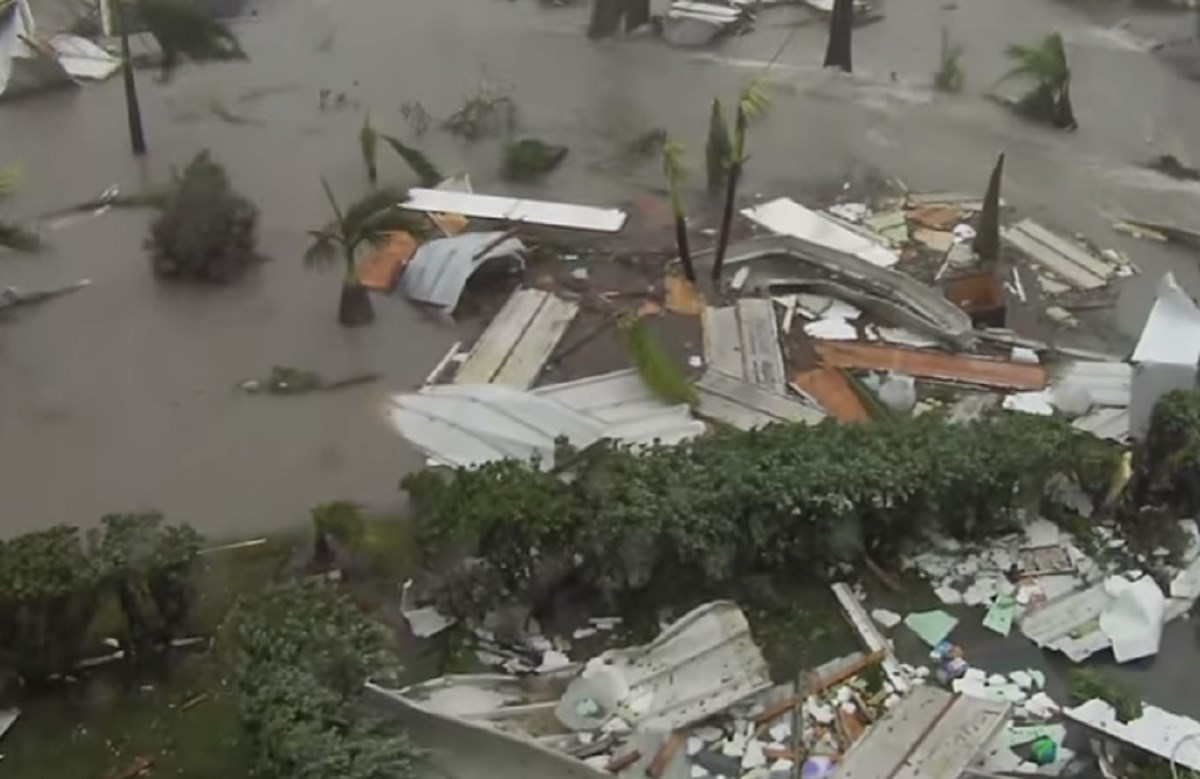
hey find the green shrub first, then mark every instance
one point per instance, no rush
(781, 499)
(304, 650)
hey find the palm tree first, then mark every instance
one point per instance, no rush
(368, 221)
(178, 27)
(12, 235)
(368, 140)
(133, 108)
(841, 25)
(675, 166)
(1046, 65)
(752, 104)
(987, 238)
(718, 150)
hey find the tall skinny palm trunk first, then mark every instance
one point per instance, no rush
(133, 109)
(841, 25)
(735, 174)
(987, 238)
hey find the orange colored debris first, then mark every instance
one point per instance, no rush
(936, 217)
(682, 296)
(926, 364)
(450, 224)
(381, 269)
(829, 388)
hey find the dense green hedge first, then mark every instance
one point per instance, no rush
(786, 498)
(304, 650)
(53, 581)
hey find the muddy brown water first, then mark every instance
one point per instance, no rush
(122, 396)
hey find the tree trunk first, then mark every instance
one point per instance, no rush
(718, 150)
(987, 237)
(355, 309)
(685, 252)
(841, 23)
(735, 173)
(133, 109)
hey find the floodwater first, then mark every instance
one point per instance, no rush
(122, 397)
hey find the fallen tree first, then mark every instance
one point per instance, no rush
(786, 499)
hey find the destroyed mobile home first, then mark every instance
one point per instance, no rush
(846, 314)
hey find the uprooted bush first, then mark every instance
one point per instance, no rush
(786, 498)
(206, 231)
(304, 650)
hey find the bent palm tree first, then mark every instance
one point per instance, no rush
(1046, 65)
(368, 221)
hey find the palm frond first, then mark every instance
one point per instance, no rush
(377, 228)
(674, 156)
(323, 251)
(426, 171)
(368, 140)
(754, 100)
(359, 214)
(718, 150)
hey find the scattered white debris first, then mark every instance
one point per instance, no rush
(887, 619)
(1134, 618)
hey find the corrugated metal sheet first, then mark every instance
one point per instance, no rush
(1157, 731)
(1106, 383)
(439, 270)
(701, 664)
(1057, 255)
(83, 59)
(508, 209)
(1003, 374)
(621, 401)
(1109, 423)
(787, 217)
(470, 424)
(518, 341)
(743, 341)
(902, 298)
(931, 734)
(746, 406)
(1171, 334)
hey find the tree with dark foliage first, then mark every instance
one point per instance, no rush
(206, 231)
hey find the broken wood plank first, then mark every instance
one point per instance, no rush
(925, 364)
(829, 388)
(529, 354)
(517, 343)
(488, 354)
(1055, 255)
(868, 632)
(745, 406)
(722, 343)
(759, 336)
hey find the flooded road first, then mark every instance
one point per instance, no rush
(122, 396)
